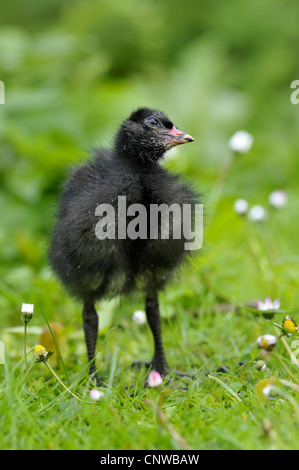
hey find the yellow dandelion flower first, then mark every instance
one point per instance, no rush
(41, 353)
(289, 324)
(40, 350)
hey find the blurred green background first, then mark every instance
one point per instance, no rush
(73, 70)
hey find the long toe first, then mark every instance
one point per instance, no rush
(182, 374)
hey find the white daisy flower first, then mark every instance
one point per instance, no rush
(95, 394)
(257, 213)
(278, 198)
(241, 206)
(267, 304)
(241, 142)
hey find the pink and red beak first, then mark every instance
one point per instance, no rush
(176, 137)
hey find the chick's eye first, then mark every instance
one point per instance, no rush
(153, 122)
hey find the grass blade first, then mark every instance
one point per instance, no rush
(227, 388)
(55, 342)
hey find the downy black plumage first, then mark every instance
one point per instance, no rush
(94, 269)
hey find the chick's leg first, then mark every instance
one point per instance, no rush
(90, 325)
(153, 317)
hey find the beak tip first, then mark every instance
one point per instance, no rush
(177, 137)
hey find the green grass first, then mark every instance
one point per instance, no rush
(73, 71)
(214, 411)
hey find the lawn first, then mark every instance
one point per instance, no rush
(72, 71)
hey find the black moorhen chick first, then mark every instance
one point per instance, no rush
(94, 266)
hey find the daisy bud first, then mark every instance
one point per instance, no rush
(95, 394)
(27, 312)
(154, 379)
(241, 142)
(267, 342)
(260, 366)
(139, 317)
(271, 392)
